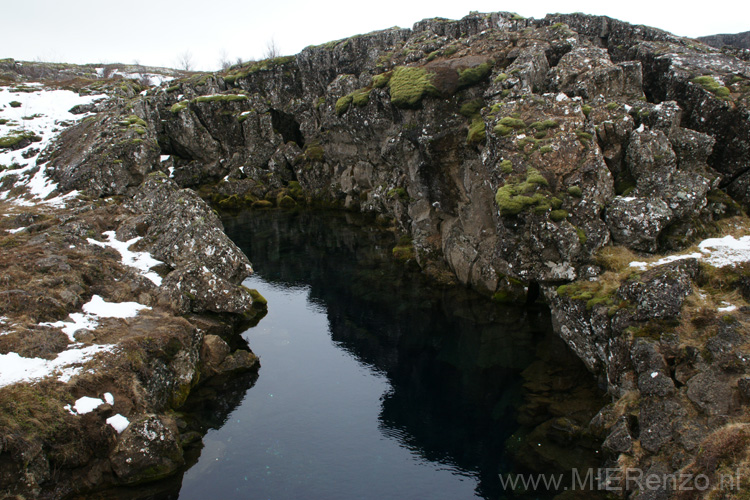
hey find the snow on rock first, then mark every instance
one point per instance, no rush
(726, 251)
(718, 252)
(97, 306)
(142, 261)
(109, 398)
(94, 309)
(41, 115)
(14, 368)
(118, 422)
(84, 405)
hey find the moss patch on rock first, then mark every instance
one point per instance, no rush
(409, 85)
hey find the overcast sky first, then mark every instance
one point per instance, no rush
(155, 32)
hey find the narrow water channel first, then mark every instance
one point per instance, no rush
(376, 383)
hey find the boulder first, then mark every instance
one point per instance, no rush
(147, 450)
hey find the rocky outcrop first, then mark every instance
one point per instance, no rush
(512, 153)
(739, 40)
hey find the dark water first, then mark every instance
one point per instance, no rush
(376, 384)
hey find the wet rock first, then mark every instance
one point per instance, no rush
(239, 361)
(213, 353)
(147, 450)
(196, 289)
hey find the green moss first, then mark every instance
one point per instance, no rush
(586, 110)
(295, 190)
(506, 167)
(544, 125)
(287, 202)
(594, 293)
(221, 98)
(582, 236)
(433, 55)
(545, 149)
(502, 130)
(508, 121)
(558, 215)
(404, 252)
(399, 193)
(534, 177)
(612, 106)
(409, 85)
(343, 103)
(575, 191)
(15, 104)
(510, 202)
(501, 78)
(515, 197)
(381, 80)
(713, 86)
(517, 17)
(361, 97)
(262, 204)
(314, 152)
(476, 133)
(259, 301)
(471, 108)
(584, 136)
(503, 297)
(471, 76)
(555, 202)
(450, 50)
(17, 137)
(180, 106)
(173, 88)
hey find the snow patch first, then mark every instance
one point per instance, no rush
(84, 405)
(718, 252)
(118, 422)
(726, 251)
(142, 261)
(43, 113)
(14, 368)
(109, 398)
(93, 310)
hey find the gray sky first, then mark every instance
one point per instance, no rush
(156, 32)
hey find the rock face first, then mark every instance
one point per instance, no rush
(510, 151)
(503, 147)
(739, 40)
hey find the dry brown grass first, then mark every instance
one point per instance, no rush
(723, 453)
(616, 258)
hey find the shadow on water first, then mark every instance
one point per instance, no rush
(463, 389)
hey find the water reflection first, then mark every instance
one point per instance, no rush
(453, 365)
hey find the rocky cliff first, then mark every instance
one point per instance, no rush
(739, 40)
(517, 156)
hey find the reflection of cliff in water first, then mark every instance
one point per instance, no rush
(454, 359)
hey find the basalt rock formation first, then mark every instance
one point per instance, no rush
(517, 156)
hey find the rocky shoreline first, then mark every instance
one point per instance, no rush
(558, 156)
